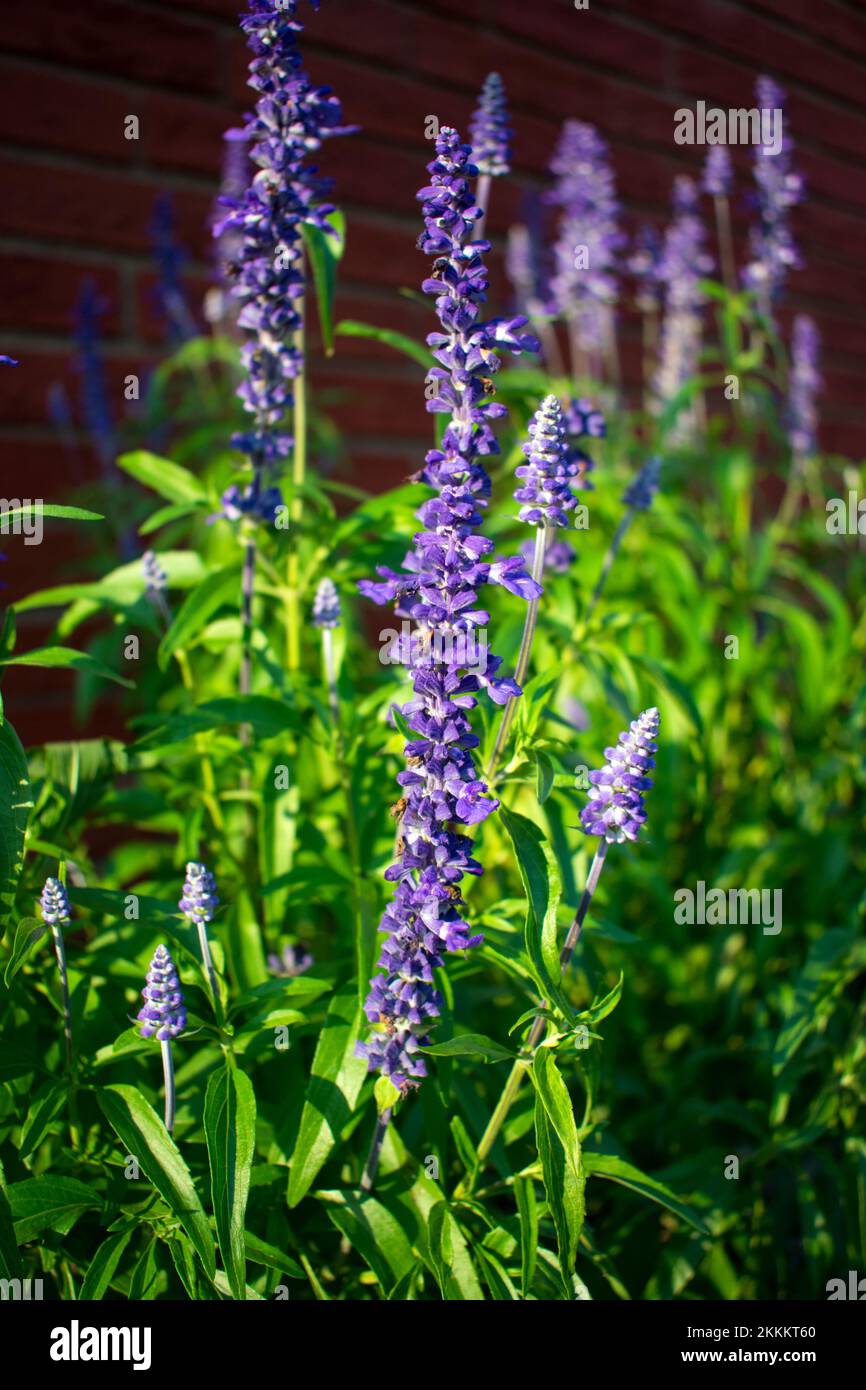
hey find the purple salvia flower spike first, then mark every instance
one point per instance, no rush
(326, 605)
(163, 1014)
(439, 592)
(54, 903)
(804, 383)
(718, 174)
(684, 263)
(640, 492)
(583, 287)
(155, 576)
(56, 912)
(198, 903)
(615, 810)
(545, 492)
(779, 188)
(489, 131)
(291, 119)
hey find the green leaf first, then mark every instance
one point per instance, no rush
(230, 1131)
(471, 1045)
(10, 1258)
(144, 1135)
(617, 1170)
(100, 1271)
(527, 1210)
(219, 588)
(45, 1106)
(53, 1204)
(372, 1230)
(452, 1263)
(542, 885)
(325, 249)
(28, 934)
(335, 1081)
(265, 716)
(55, 509)
(258, 1252)
(15, 807)
(161, 475)
(419, 352)
(817, 979)
(67, 658)
(561, 1166)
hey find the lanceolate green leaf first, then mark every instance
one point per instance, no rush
(67, 659)
(325, 250)
(49, 1203)
(230, 1131)
(144, 1135)
(542, 885)
(336, 1079)
(419, 352)
(53, 509)
(100, 1271)
(199, 606)
(15, 805)
(561, 1165)
(28, 935)
(171, 481)
(617, 1170)
(374, 1232)
(451, 1259)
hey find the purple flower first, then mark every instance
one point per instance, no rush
(805, 382)
(583, 287)
(489, 131)
(170, 257)
(9, 361)
(683, 264)
(163, 1014)
(718, 176)
(155, 576)
(643, 266)
(255, 502)
(199, 901)
(290, 121)
(292, 961)
(54, 903)
(326, 605)
(615, 809)
(548, 473)
(641, 491)
(439, 592)
(779, 189)
(89, 364)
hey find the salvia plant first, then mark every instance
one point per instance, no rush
(424, 921)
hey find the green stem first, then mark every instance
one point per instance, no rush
(541, 537)
(299, 473)
(209, 791)
(168, 1075)
(607, 562)
(518, 1071)
(370, 1167)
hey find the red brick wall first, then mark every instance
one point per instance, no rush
(77, 197)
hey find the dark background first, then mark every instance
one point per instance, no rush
(77, 198)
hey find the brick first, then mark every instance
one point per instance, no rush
(39, 293)
(72, 206)
(121, 40)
